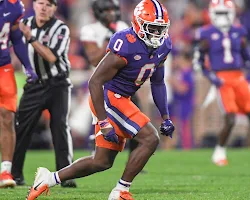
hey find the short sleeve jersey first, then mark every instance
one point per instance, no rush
(10, 13)
(141, 61)
(224, 49)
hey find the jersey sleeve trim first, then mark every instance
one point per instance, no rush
(109, 50)
(18, 19)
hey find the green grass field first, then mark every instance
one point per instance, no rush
(172, 175)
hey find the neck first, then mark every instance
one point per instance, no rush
(40, 22)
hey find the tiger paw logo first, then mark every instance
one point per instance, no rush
(131, 38)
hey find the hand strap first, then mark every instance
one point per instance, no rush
(104, 124)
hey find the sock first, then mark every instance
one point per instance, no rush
(220, 148)
(6, 166)
(123, 185)
(54, 179)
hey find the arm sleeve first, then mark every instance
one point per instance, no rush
(200, 51)
(20, 48)
(159, 91)
(244, 50)
(60, 41)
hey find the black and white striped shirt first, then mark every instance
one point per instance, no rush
(55, 35)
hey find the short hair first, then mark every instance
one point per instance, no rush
(52, 2)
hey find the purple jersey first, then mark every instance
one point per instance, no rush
(10, 13)
(141, 61)
(224, 49)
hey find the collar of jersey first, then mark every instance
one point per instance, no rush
(46, 25)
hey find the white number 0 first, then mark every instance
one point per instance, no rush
(146, 67)
(118, 44)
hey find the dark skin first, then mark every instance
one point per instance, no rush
(147, 137)
(229, 118)
(8, 136)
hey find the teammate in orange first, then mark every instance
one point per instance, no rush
(10, 11)
(134, 55)
(225, 44)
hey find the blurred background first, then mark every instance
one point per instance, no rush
(196, 120)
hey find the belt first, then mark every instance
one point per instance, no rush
(53, 80)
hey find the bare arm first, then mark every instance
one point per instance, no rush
(94, 53)
(105, 71)
(42, 50)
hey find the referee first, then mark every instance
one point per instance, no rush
(48, 42)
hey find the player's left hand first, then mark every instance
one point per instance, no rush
(108, 131)
(26, 30)
(31, 76)
(167, 128)
(111, 136)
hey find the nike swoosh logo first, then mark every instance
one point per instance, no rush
(6, 14)
(160, 55)
(6, 70)
(35, 188)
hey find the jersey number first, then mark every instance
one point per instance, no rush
(227, 45)
(118, 44)
(146, 67)
(4, 36)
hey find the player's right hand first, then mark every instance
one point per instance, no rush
(108, 131)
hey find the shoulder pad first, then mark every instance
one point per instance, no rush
(18, 7)
(201, 33)
(121, 43)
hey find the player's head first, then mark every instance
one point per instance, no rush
(44, 9)
(106, 11)
(151, 22)
(222, 13)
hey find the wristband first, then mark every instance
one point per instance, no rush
(32, 39)
(104, 124)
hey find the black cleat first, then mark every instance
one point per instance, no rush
(69, 184)
(19, 181)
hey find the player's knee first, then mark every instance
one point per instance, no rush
(8, 117)
(102, 165)
(230, 119)
(151, 139)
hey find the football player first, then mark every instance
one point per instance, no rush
(225, 44)
(11, 12)
(95, 38)
(134, 55)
